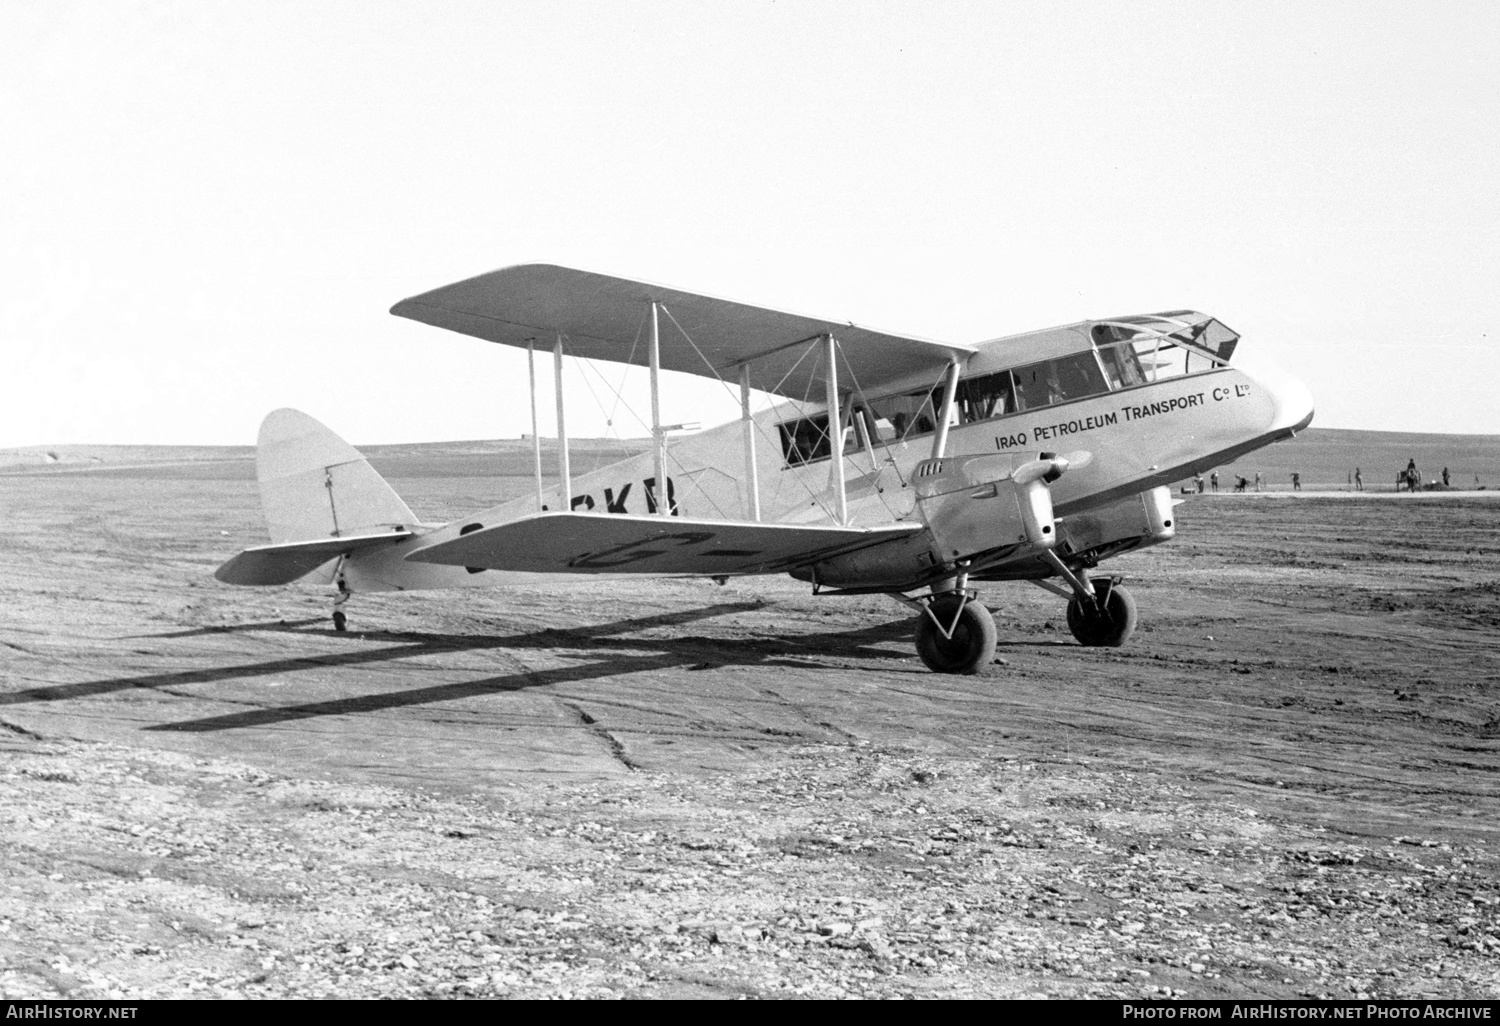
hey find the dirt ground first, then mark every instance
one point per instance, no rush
(1285, 785)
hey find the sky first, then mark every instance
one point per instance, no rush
(207, 209)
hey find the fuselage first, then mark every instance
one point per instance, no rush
(1148, 411)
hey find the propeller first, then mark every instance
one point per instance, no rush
(1050, 468)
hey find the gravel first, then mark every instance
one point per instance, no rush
(828, 870)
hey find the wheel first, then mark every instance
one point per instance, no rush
(1112, 626)
(972, 645)
(340, 621)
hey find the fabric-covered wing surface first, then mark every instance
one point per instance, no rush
(603, 318)
(284, 563)
(583, 543)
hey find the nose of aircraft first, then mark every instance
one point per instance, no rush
(1292, 403)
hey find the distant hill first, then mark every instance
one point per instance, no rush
(507, 458)
(500, 458)
(1325, 457)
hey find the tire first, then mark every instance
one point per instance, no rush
(972, 646)
(1112, 627)
(340, 621)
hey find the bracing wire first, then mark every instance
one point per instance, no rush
(618, 394)
(758, 427)
(885, 443)
(625, 370)
(617, 391)
(609, 422)
(588, 364)
(865, 427)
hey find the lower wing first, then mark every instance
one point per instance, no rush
(284, 563)
(583, 543)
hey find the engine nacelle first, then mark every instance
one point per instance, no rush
(978, 504)
(1145, 519)
(979, 507)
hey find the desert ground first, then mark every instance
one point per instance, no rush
(1285, 785)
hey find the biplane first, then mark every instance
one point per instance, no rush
(878, 463)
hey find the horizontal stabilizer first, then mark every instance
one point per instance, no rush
(583, 543)
(284, 563)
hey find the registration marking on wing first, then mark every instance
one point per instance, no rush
(616, 543)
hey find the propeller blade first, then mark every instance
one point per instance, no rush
(1052, 468)
(1035, 470)
(1077, 458)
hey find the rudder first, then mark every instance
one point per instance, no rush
(313, 484)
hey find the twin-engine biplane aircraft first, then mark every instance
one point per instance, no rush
(893, 465)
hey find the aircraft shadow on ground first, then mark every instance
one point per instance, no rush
(654, 654)
(233, 628)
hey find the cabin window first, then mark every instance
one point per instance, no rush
(806, 440)
(982, 398)
(1076, 376)
(899, 417)
(895, 418)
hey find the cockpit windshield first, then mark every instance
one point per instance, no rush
(1138, 350)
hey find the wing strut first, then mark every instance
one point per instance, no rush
(945, 415)
(835, 428)
(536, 438)
(562, 428)
(749, 423)
(658, 442)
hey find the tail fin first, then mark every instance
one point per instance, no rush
(313, 484)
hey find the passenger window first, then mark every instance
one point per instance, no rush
(1058, 381)
(895, 418)
(899, 417)
(985, 397)
(807, 440)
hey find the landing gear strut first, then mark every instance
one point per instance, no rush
(1111, 621)
(1101, 613)
(955, 632)
(340, 621)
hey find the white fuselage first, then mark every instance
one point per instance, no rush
(1140, 437)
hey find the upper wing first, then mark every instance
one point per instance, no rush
(602, 316)
(284, 563)
(617, 543)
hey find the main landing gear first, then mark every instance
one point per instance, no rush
(1111, 621)
(955, 632)
(1101, 613)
